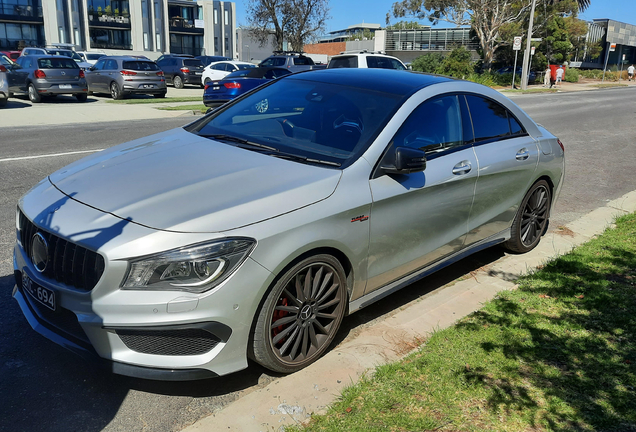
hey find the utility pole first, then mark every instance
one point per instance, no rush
(526, 54)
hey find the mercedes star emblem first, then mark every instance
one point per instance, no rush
(39, 252)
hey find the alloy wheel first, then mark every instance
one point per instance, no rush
(307, 314)
(535, 216)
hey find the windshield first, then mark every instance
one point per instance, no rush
(316, 120)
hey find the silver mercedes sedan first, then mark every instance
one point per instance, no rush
(253, 232)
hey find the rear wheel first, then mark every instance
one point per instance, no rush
(115, 92)
(178, 82)
(301, 315)
(531, 220)
(34, 96)
(81, 97)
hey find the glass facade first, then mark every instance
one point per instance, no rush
(109, 10)
(110, 38)
(17, 36)
(21, 8)
(186, 44)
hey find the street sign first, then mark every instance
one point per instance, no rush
(536, 39)
(623, 57)
(516, 45)
(532, 51)
(613, 47)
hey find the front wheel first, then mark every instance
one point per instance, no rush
(531, 220)
(34, 96)
(178, 82)
(301, 315)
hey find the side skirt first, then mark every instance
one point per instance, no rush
(394, 286)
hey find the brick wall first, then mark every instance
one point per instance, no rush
(330, 48)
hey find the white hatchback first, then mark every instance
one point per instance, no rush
(218, 70)
(365, 60)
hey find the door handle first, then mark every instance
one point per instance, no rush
(522, 154)
(462, 167)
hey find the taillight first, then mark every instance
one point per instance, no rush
(82, 74)
(160, 73)
(185, 70)
(3, 69)
(206, 87)
(128, 73)
(561, 145)
(39, 74)
(232, 85)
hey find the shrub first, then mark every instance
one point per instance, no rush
(571, 75)
(427, 62)
(486, 79)
(456, 64)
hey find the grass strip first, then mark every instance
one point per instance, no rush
(556, 354)
(609, 85)
(156, 100)
(531, 90)
(199, 108)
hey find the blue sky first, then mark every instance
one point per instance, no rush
(347, 12)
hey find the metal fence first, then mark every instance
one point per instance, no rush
(429, 39)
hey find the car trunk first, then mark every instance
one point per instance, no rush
(194, 67)
(59, 70)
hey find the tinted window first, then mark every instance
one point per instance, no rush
(245, 66)
(490, 120)
(324, 121)
(515, 127)
(239, 73)
(219, 66)
(65, 53)
(99, 65)
(140, 66)
(111, 65)
(434, 126)
(192, 63)
(274, 61)
(94, 56)
(343, 62)
(381, 63)
(303, 61)
(57, 63)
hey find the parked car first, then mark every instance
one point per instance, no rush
(5, 66)
(47, 75)
(217, 93)
(365, 59)
(181, 70)
(123, 76)
(219, 70)
(13, 55)
(253, 231)
(532, 76)
(90, 57)
(292, 60)
(206, 60)
(163, 56)
(59, 52)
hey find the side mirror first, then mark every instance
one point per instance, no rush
(407, 160)
(92, 68)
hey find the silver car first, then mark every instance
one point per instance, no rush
(5, 66)
(123, 76)
(253, 231)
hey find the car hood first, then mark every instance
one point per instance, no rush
(178, 181)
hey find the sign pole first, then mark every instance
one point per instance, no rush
(621, 73)
(526, 54)
(516, 46)
(609, 48)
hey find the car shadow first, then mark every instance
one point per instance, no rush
(13, 103)
(64, 99)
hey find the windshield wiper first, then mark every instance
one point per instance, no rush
(222, 137)
(305, 159)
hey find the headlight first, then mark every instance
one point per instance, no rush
(196, 268)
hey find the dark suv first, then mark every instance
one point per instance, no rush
(181, 70)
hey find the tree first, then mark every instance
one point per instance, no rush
(404, 25)
(294, 20)
(488, 18)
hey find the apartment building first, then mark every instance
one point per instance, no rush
(135, 27)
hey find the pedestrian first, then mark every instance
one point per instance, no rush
(547, 81)
(630, 72)
(559, 75)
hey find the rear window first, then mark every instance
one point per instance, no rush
(343, 62)
(238, 73)
(303, 61)
(140, 66)
(274, 61)
(245, 66)
(57, 63)
(384, 63)
(193, 63)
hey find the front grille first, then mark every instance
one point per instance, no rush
(169, 342)
(70, 264)
(62, 319)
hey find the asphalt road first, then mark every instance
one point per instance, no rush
(45, 388)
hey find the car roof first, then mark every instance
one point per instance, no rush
(128, 58)
(258, 72)
(385, 80)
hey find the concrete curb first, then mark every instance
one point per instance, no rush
(293, 398)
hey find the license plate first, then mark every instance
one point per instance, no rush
(197, 73)
(39, 293)
(216, 88)
(65, 86)
(148, 86)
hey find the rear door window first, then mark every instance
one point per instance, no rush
(111, 65)
(490, 119)
(274, 61)
(376, 62)
(343, 62)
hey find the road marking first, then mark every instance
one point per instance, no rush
(49, 155)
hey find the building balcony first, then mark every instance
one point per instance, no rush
(183, 25)
(108, 21)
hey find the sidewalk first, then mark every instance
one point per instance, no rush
(295, 397)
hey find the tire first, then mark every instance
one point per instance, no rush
(159, 95)
(178, 82)
(115, 93)
(34, 97)
(207, 81)
(309, 314)
(81, 97)
(531, 220)
(4, 102)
